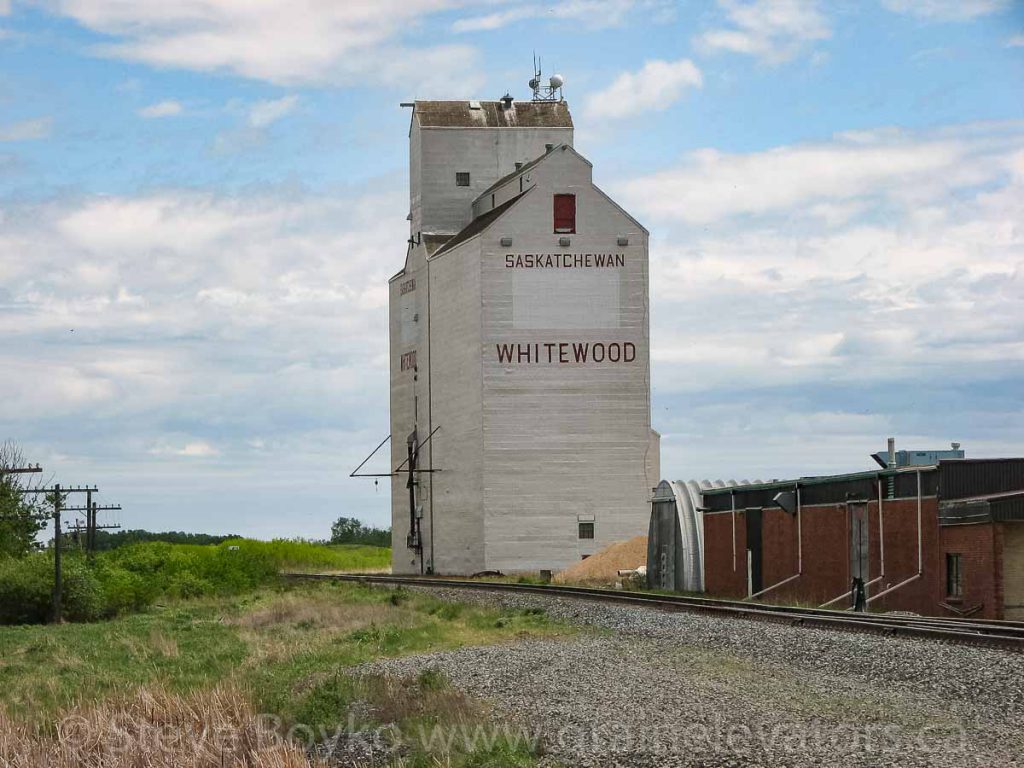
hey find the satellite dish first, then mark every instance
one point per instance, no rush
(534, 82)
(557, 81)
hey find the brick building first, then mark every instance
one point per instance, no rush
(943, 540)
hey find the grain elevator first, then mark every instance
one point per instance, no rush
(519, 347)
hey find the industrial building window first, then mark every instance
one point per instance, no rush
(565, 214)
(462, 178)
(954, 576)
(586, 530)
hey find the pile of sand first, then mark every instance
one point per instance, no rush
(603, 567)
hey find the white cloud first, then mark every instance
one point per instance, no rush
(771, 30)
(833, 179)
(946, 10)
(198, 448)
(497, 20)
(656, 86)
(5, 7)
(167, 108)
(592, 13)
(263, 113)
(1017, 41)
(201, 322)
(133, 275)
(314, 42)
(921, 281)
(190, 449)
(27, 130)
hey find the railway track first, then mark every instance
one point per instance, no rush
(991, 633)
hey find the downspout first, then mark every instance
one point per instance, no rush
(920, 548)
(881, 542)
(732, 496)
(430, 425)
(799, 553)
(881, 548)
(881, 532)
(799, 535)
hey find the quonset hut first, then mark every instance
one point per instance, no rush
(520, 368)
(675, 536)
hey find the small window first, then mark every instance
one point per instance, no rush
(462, 178)
(586, 530)
(565, 214)
(954, 576)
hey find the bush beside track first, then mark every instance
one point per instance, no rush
(134, 577)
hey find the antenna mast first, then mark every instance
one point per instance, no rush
(550, 92)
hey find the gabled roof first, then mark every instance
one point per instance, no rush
(492, 114)
(480, 223)
(509, 176)
(537, 161)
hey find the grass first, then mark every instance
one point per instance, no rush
(155, 729)
(133, 577)
(291, 555)
(285, 650)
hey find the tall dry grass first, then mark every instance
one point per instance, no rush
(217, 728)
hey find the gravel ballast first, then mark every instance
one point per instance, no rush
(652, 688)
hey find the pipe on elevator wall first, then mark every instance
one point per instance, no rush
(881, 543)
(799, 553)
(799, 535)
(733, 497)
(881, 534)
(920, 548)
(430, 426)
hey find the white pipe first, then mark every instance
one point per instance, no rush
(847, 593)
(799, 536)
(733, 497)
(915, 577)
(799, 554)
(921, 551)
(881, 534)
(773, 586)
(920, 548)
(750, 572)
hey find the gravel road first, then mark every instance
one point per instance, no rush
(650, 688)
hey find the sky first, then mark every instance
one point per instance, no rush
(201, 202)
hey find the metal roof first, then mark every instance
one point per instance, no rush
(971, 478)
(524, 168)
(492, 114)
(955, 479)
(1007, 507)
(480, 223)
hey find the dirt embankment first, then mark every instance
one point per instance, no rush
(603, 567)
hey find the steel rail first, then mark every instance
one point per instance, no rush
(989, 632)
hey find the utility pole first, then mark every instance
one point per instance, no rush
(91, 526)
(20, 470)
(58, 575)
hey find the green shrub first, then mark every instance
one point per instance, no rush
(26, 590)
(298, 555)
(189, 585)
(185, 570)
(133, 577)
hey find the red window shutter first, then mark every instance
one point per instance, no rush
(565, 214)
